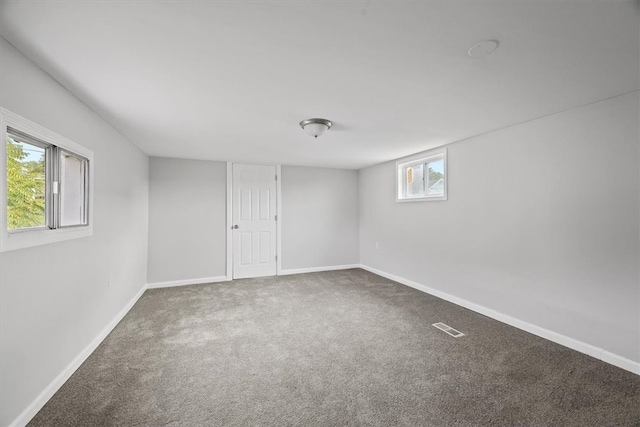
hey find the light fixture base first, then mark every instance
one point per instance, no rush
(315, 127)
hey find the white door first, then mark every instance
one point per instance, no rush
(254, 221)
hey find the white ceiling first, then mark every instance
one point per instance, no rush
(231, 80)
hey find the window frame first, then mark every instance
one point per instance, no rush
(54, 144)
(418, 159)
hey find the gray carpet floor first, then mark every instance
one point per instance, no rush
(343, 348)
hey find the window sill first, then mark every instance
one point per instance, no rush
(422, 199)
(28, 239)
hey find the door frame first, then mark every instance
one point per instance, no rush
(229, 222)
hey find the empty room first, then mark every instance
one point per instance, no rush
(320, 213)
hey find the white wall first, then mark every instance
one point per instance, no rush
(187, 214)
(55, 299)
(319, 217)
(541, 224)
(187, 228)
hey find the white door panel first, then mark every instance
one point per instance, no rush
(254, 214)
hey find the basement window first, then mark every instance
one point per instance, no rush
(46, 195)
(422, 177)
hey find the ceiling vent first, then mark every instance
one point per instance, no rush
(483, 48)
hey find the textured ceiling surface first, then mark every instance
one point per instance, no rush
(231, 80)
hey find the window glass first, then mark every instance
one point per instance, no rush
(73, 181)
(435, 179)
(415, 180)
(47, 196)
(422, 177)
(26, 184)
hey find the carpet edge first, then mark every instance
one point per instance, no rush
(580, 346)
(289, 271)
(186, 282)
(34, 407)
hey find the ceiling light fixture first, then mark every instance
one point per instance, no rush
(315, 127)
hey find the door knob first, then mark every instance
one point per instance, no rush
(234, 227)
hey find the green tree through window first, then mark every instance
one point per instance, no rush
(26, 186)
(434, 176)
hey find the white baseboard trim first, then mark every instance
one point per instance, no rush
(46, 394)
(317, 269)
(187, 282)
(620, 362)
(582, 347)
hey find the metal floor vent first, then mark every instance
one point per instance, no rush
(448, 329)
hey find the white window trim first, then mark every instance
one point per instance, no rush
(37, 237)
(420, 158)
